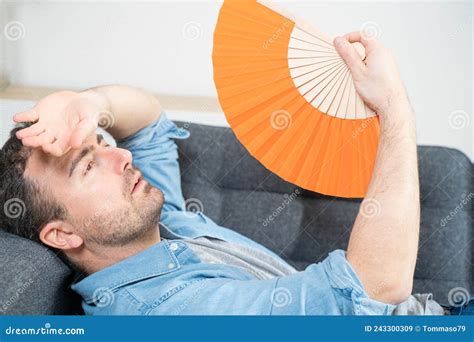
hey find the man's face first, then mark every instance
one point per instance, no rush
(98, 186)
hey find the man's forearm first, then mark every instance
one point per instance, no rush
(383, 245)
(130, 108)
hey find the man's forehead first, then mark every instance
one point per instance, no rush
(40, 161)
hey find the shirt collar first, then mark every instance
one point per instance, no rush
(151, 262)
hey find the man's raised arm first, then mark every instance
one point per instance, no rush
(384, 241)
(64, 119)
(131, 108)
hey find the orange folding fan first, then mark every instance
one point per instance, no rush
(291, 101)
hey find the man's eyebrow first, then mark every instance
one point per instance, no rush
(85, 151)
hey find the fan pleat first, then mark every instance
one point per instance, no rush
(280, 142)
(253, 116)
(294, 146)
(304, 145)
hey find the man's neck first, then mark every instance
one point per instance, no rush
(95, 258)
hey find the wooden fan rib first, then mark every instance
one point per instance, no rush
(300, 44)
(314, 83)
(343, 100)
(317, 98)
(316, 36)
(301, 71)
(303, 78)
(336, 83)
(316, 52)
(306, 42)
(300, 33)
(311, 65)
(336, 99)
(298, 53)
(297, 62)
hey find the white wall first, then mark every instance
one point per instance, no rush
(166, 47)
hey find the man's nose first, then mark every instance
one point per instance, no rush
(118, 159)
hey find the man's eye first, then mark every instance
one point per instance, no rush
(89, 166)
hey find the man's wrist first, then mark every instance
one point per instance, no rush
(398, 110)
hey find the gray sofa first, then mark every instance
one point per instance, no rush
(239, 193)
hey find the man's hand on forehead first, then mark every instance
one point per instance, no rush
(63, 120)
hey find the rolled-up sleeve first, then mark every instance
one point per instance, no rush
(156, 155)
(330, 287)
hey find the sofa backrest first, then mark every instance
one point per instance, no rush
(303, 226)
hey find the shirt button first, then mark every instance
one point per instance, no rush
(174, 246)
(170, 265)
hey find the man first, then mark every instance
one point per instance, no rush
(100, 206)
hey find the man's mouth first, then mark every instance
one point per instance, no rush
(138, 184)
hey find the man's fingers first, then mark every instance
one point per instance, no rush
(83, 129)
(60, 146)
(26, 116)
(38, 140)
(350, 56)
(48, 148)
(358, 36)
(33, 130)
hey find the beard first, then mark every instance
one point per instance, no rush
(115, 227)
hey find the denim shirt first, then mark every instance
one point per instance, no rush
(168, 278)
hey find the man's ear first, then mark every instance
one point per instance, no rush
(60, 235)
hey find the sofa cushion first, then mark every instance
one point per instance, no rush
(33, 280)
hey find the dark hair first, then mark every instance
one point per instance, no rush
(25, 205)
